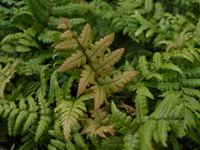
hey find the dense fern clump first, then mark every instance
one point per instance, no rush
(100, 75)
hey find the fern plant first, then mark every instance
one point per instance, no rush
(62, 88)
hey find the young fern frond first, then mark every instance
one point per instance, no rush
(96, 65)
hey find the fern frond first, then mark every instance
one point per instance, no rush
(118, 81)
(143, 64)
(184, 54)
(99, 95)
(76, 59)
(168, 86)
(12, 118)
(148, 5)
(44, 120)
(70, 111)
(158, 11)
(67, 44)
(100, 46)
(157, 59)
(109, 60)
(123, 122)
(131, 141)
(87, 77)
(191, 82)
(21, 116)
(171, 66)
(140, 30)
(85, 36)
(32, 116)
(156, 75)
(141, 102)
(78, 138)
(113, 143)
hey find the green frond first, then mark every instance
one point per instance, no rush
(140, 30)
(174, 141)
(21, 48)
(191, 82)
(44, 120)
(58, 92)
(192, 73)
(184, 54)
(168, 86)
(123, 123)
(167, 77)
(69, 9)
(162, 111)
(12, 118)
(156, 75)
(131, 141)
(8, 48)
(194, 135)
(57, 144)
(143, 64)
(52, 87)
(141, 103)
(146, 134)
(191, 92)
(171, 66)
(188, 122)
(157, 59)
(148, 5)
(21, 116)
(32, 116)
(70, 111)
(142, 20)
(150, 33)
(113, 143)
(78, 138)
(158, 11)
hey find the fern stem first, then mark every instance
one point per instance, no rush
(44, 114)
(152, 71)
(37, 9)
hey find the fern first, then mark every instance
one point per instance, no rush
(96, 67)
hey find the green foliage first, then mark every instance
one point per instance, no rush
(62, 78)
